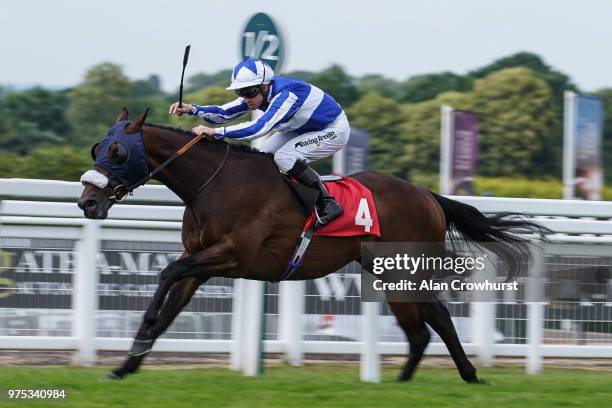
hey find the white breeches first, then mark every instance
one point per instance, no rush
(289, 147)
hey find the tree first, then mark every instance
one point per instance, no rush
(95, 103)
(147, 87)
(389, 88)
(32, 117)
(158, 109)
(338, 84)
(3, 92)
(202, 80)
(39, 106)
(56, 163)
(556, 80)
(517, 126)
(22, 137)
(381, 117)
(520, 59)
(420, 131)
(425, 87)
(302, 75)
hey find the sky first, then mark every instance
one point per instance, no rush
(53, 43)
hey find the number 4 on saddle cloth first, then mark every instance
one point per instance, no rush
(359, 218)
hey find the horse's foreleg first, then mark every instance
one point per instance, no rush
(183, 276)
(150, 316)
(180, 294)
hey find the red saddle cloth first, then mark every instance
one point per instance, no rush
(360, 216)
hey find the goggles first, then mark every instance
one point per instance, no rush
(248, 92)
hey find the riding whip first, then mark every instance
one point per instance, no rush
(185, 59)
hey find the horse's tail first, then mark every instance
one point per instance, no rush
(499, 230)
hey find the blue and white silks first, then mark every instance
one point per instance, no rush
(292, 106)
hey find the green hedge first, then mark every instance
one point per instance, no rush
(507, 187)
(511, 187)
(50, 163)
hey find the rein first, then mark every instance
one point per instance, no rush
(120, 192)
(207, 182)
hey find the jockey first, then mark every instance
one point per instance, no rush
(310, 124)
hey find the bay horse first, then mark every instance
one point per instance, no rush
(242, 220)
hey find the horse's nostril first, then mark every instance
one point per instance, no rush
(87, 204)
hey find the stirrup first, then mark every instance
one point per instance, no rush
(325, 222)
(318, 223)
(316, 211)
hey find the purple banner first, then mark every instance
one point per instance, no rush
(588, 133)
(465, 152)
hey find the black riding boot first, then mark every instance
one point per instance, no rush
(327, 208)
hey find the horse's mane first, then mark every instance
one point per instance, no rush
(236, 146)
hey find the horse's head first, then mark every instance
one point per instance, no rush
(120, 162)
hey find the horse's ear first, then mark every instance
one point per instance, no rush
(123, 115)
(135, 125)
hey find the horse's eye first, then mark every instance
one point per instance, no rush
(119, 153)
(94, 151)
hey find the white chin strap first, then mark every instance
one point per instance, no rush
(94, 177)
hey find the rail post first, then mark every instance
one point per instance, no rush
(253, 327)
(238, 322)
(535, 310)
(85, 297)
(291, 309)
(369, 367)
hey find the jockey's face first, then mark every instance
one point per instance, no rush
(256, 101)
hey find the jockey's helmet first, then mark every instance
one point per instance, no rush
(251, 72)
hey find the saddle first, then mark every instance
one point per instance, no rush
(359, 218)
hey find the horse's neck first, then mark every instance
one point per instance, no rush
(184, 175)
(190, 171)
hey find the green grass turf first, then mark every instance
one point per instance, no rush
(320, 385)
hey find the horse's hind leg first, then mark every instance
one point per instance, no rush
(436, 315)
(409, 319)
(180, 294)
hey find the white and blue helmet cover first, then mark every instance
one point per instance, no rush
(251, 72)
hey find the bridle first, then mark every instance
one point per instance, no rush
(120, 192)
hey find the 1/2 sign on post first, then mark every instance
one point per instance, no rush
(261, 39)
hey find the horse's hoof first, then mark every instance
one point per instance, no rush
(479, 381)
(113, 376)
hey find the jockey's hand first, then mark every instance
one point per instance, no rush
(174, 109)
(199, 130)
